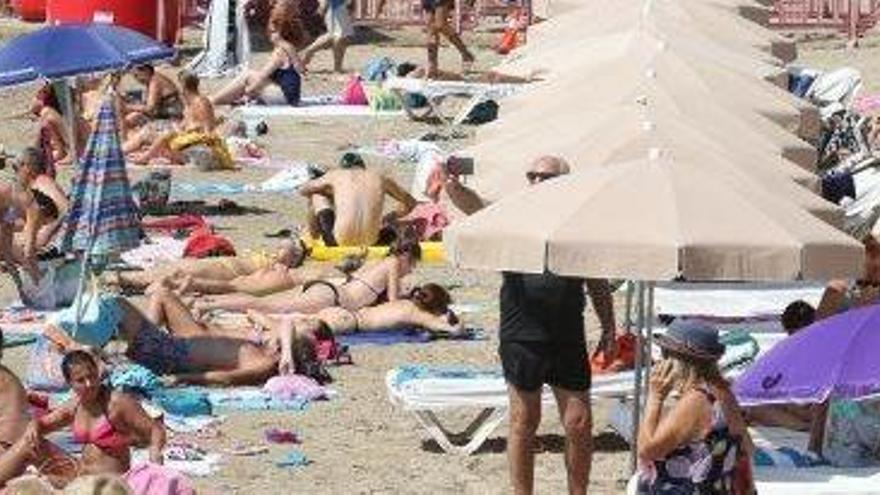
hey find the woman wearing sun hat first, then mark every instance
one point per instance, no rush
(698, 444)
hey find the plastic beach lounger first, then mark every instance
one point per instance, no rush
(732, 300)
(312, 111)
(424, 391)
(435, 92)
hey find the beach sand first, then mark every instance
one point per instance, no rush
(358, 442)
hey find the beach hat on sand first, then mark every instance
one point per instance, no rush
(693, 339)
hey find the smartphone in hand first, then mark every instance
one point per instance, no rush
(459, 165)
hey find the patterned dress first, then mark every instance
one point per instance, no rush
(700, 467)
(852, 433)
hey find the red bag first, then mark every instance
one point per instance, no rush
(508, 41)
(204, 243)
(353, 93)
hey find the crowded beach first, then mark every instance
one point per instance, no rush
(436, 247)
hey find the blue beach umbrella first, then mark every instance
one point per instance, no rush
(56, 52)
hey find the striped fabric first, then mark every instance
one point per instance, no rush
(103, 217)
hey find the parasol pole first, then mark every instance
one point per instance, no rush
(630, 290)
(637, 381)
(649, 330)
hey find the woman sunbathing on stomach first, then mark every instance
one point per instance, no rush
(189, 352)
(369, 285)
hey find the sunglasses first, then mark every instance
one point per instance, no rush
(535, 177)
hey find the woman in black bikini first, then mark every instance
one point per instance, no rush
(280, 80)
(374, 283)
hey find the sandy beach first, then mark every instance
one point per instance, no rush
(358, 442)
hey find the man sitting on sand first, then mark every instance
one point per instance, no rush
(290, 254)
(20, 442)
(346, 204)
(179, 144)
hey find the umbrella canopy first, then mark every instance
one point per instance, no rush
(657, 218)
(625, 133)
(67, 50)
(681, 72)
(103, 217)
(625, 84)
(556, 55)
(838, 364)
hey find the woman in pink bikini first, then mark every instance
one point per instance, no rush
(105, 421)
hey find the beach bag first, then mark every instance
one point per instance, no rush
(353, 93)
(153, 191)
(483, 112)
(203, 243)
(414, 100)
(382, 100)
(376, 69)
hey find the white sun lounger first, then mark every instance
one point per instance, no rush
(443, 389)
(425, 391)
(435, 92)
(731, 300)
(252, 112)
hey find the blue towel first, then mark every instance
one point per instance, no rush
(786, 457)
(250, 399)
(799, 84)
(208, 188)
(406, 373)
(397, 336)
(293, 458)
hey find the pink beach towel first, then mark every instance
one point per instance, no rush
(153, 479)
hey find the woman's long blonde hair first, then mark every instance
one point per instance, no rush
(691, 372)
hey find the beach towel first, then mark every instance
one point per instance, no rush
(294, 387)
(160, 249)
(11, 340)
(250, 399)
(289, 179)
(169, 225)
(411, 336)
(17, 318)
(154, 479)
(185, 459)
(207, 151)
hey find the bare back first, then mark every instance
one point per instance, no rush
(198, 115)
(358, 198)
(367, 285)
(14, 415)
(394, 314)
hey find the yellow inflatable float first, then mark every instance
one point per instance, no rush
(432, 252)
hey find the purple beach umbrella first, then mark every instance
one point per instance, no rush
(832, 358)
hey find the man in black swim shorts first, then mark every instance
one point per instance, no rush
(542, 341)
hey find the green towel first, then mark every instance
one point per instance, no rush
(17, 339)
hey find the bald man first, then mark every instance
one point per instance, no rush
(543, 341)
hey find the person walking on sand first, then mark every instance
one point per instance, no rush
(437, 14)
(542, 341)
(339, 32)
(346, 204)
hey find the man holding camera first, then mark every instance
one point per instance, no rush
(542, 341)
(346, 204)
